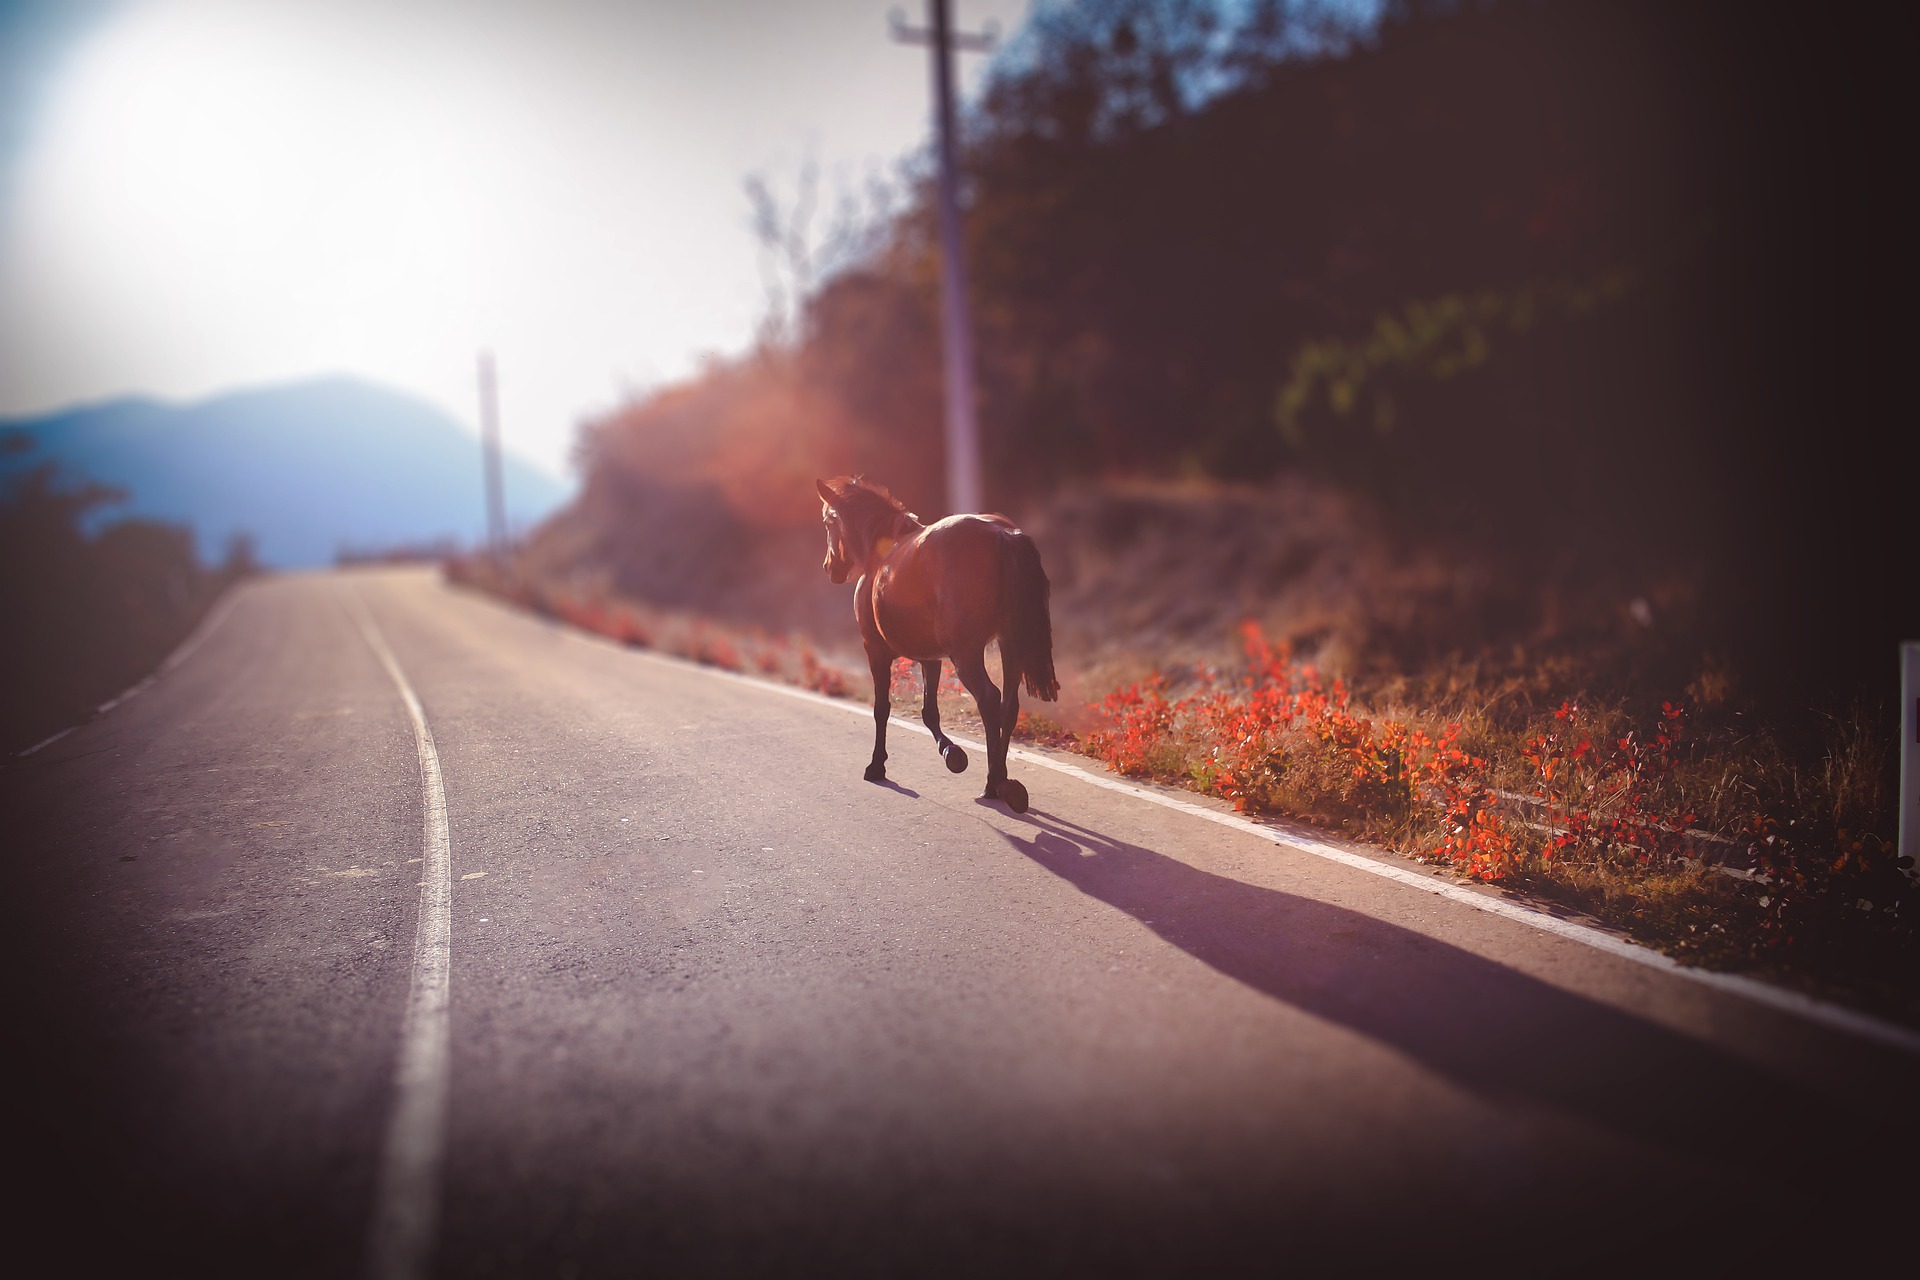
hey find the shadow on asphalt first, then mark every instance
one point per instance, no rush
(1493, 1030)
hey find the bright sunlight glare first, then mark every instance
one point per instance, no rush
(220, 194)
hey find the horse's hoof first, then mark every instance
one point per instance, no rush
(956, 758)
(876, 773)
(1015, 794)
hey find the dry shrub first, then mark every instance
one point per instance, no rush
(1630, 816)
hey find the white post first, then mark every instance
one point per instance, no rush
(1910, 755)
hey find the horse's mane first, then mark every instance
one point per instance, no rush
(861, 497)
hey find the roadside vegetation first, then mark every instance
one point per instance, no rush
(88, 613)
(1682, 825)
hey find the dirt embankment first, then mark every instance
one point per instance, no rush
(1156, 576)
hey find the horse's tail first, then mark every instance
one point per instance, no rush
(1028, 634)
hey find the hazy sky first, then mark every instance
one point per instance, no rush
(197, 195)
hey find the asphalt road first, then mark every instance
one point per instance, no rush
(718, 1007)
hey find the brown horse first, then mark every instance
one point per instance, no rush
(928, 592)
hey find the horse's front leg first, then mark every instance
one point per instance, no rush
(972, 671)
(930, 716)
(880, 663)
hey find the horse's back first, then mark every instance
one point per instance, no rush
(945, 589)
(980, 534)
(966, 552)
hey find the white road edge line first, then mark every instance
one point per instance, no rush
(406, 1208)
(201, 632)
(193, 641)
(1838, 1017)
(48, 741)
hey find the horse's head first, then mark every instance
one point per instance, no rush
(863, 520)
(838, 564)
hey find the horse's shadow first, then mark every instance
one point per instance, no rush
(1487, 1027)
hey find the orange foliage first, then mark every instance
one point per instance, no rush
(1250, 730)
(861, 397)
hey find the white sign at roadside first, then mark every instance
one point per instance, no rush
(1910, 755)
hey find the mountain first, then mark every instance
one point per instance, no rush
(308, 469)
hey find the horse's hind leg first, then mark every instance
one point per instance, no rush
(972, 670)
(930, 716)
(881, 665)
(1011, 789)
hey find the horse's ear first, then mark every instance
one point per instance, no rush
(826, 494)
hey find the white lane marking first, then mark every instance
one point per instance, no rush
(193, 641)
(1838, 1017)
(406, 1207)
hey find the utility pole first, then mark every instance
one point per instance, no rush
(490, 460)
(963, 433)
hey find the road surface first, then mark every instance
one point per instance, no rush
(716, 1006)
